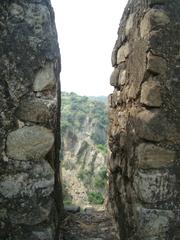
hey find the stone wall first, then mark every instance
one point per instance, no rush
(144, 112)
(29, 121)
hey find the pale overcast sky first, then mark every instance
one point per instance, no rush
(87, 31)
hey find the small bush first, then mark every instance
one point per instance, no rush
(100, 179)
(102, 148)
(95, 198)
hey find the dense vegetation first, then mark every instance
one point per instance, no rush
(78, 109)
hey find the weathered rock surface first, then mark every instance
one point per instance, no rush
(152, 156)
(45, 78)
(144, 134)
(151, 93)
(29, 143)
(29, 121)
(36, 111)
(89, 225)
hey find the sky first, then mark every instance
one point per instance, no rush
(87, 31)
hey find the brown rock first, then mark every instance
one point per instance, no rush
(114, 77)
(122, 77)
(153, 125)
(156, 64)
(129, 24)
(35, 110)
(151, 93)
(123, 53)
(153, 18)
(152, 156)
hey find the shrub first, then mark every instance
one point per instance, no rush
(95, 198)
(101, 179)
(102, 148)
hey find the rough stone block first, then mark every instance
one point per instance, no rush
(129, 24)
(153, 223)
(153, 125)
(156, 64)
(45, 78)
(36, 110)
(31, 213)
(17, 12)
(29, 143)
(152, 156)
(150, 126)
(31, 191)
(151, 93)
(122, 78)
(114, 77)
(136, 68)
(155, 186)
(123, 53)
(154, 18)
(45, 233)
(39, 177)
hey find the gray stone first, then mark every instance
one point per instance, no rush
(153, 222)
(35, 110)
(34, 190)
(136, 67)
(45, 78)
(32, 213)
(153, 18)
(38, 17)
(156, 64)
(151, 93)
(72, 208)
(43, 234)
(122, 77)
(114, 77)
(152, 156)
(154, 186)
(129, 24)
(29, 143)
(39, 178)
(16, 11)
(154, 2)
(10, 186)
(123, 53)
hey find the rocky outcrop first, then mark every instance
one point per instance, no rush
(29, 122)
(144, 113)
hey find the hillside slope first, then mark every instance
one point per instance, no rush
(84, 148)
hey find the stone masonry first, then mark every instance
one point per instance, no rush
(29, 121)
(144, 111)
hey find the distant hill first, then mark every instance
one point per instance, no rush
(79, 113)
(99, 98)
